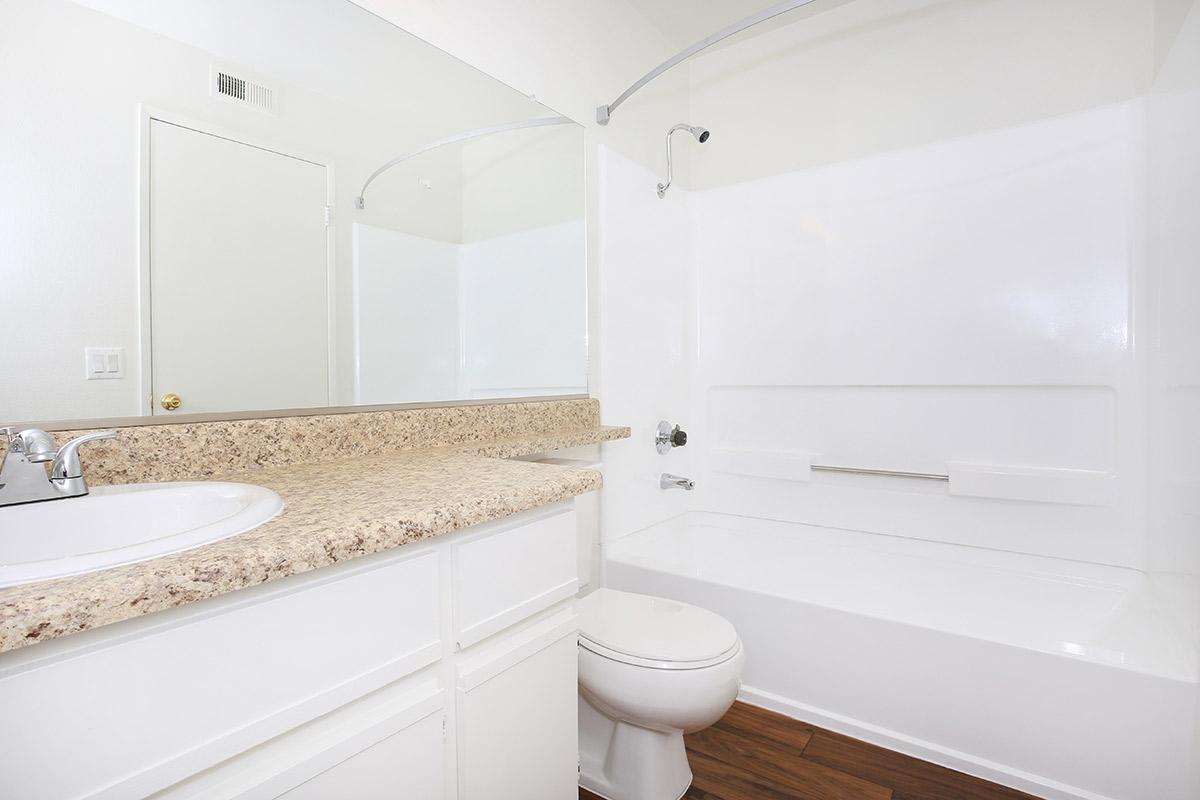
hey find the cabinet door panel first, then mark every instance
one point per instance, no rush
(518, 729)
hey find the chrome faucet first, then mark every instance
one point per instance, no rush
(23, 477)
(669, 481)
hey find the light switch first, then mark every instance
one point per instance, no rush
(104, 363)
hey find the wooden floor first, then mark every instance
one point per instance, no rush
(752, 754)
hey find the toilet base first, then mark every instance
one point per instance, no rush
(620, 761)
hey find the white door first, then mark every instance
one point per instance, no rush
(239, 277)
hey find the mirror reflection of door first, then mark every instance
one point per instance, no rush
(239, 275)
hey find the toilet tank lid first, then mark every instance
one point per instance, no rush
(654, 628)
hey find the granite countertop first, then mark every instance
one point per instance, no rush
(334, 511)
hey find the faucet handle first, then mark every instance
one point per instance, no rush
(66, 463)
(37, 445)
(9, 433)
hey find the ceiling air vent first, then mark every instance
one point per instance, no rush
(242, 90)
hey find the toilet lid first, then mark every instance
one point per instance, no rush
(640, 629)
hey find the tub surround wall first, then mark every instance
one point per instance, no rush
(934, 273)
(963, 308)
(352, 485)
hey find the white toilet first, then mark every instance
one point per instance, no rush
(650, 670)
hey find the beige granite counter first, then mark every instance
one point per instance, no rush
(334, 510)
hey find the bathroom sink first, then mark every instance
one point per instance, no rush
(116, 525)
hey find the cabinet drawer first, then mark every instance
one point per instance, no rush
(390, 745)
(196, 686)
(405, 766)
(502, 576)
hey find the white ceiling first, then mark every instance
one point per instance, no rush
(684, 22)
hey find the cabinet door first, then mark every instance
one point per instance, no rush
(518, 719)
(407, 765)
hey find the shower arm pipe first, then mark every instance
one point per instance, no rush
(360, 201)
(604, 113)
(662, 187)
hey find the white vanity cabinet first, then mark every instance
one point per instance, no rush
(442, 669)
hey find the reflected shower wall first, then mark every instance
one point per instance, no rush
(471, 320)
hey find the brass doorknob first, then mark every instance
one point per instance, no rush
(171, 401)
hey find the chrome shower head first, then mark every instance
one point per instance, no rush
(701, 134)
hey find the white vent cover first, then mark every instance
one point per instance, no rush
(239, 89)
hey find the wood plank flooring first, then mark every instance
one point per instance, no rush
(754, 754)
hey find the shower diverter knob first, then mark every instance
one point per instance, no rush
(667, 437)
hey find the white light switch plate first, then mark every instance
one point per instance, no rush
(104, 363)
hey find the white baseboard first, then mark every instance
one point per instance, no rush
(918, 748)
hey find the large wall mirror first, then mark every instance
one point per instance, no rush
(185, 227)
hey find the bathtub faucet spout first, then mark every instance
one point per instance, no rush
(669, 481)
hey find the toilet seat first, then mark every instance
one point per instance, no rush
(654, 632)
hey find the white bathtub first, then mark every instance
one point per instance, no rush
(1063, 679)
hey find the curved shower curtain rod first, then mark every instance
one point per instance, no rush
(360, 201)
(604, 113)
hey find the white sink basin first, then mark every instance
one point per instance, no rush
(121, 524)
